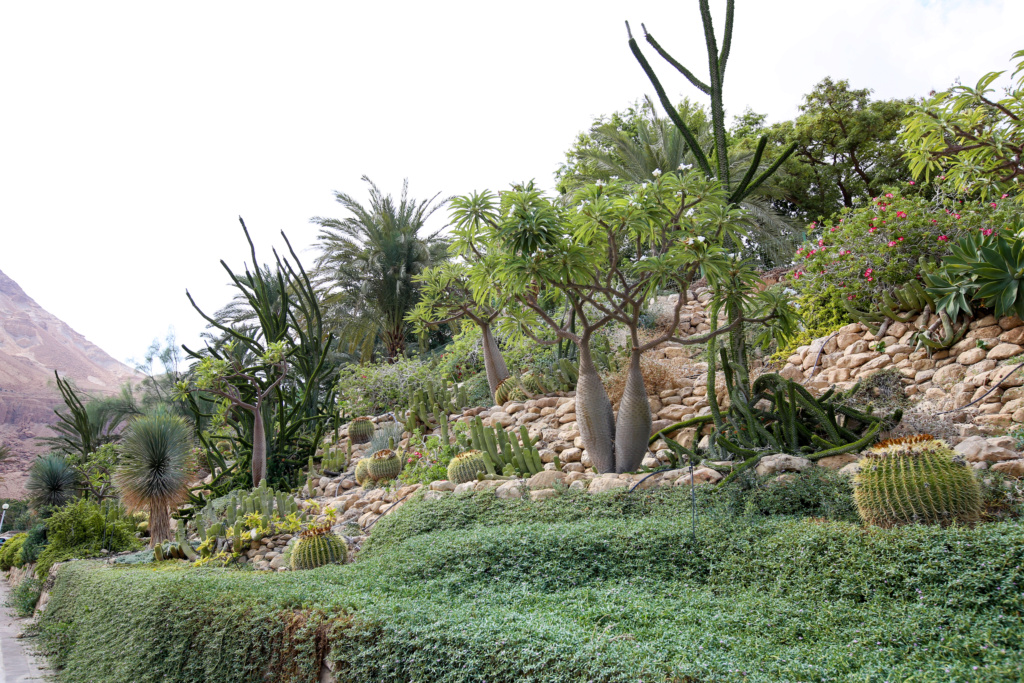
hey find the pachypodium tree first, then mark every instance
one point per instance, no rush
(620, 246)
(244, 386)
(717, 165)
(446, 296)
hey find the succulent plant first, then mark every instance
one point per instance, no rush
(316, 547)
(915, 479)
(506, 388)
(360, 430)
(362, 474)
(465, 466)
(384, 465)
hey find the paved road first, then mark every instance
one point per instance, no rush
(17, 663)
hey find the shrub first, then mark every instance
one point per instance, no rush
(10, 552)
(35, 542)
(24, 596)
(16, 513)
(877, 248)
(81, 529)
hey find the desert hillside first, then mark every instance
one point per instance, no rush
(34, 343)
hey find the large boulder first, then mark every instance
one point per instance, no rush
(545, 479)
(701, 475)
(980, 449)
(782, 462)
(607, 483)
(1012, 468)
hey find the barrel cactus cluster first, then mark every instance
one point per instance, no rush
(316, 547)
(916, 479)
(362, 473)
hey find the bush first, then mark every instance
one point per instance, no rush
(34, 544)
(81, 529)
(24, 596)
(878, 248)
(634, 598)
(10, 552)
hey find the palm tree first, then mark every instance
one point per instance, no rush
(366, 267)
(659, 147)
(154, 470)
(52, 480)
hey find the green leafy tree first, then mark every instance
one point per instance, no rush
(367, 265)
(155, 468)
(846, 147)
(973, 139)
(446, 296)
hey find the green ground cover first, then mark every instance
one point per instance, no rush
(622, 592)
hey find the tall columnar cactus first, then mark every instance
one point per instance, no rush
(360, 430)
(916, 479)
(465, 467)
(362, 472)
(316, 547)
(384, 465)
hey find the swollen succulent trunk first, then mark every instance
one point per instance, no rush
(633, 425)
(594, 413)
(494, 363)
(259, 449)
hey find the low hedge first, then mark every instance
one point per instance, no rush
(604, 599)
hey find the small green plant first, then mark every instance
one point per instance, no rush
(916, 479)
(10, 552)
(25, 596)
(982, 344)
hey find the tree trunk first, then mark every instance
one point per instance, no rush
(633, 425)
(259, 449)
(159, 524)
(494, 362)
(594, 413)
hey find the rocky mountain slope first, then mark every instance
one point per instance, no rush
(34, 343)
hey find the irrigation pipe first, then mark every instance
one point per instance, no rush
(998, 384)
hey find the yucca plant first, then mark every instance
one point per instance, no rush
(155, 469)
(52, 480)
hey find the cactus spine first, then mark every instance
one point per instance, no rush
(916, 479)
(384, 465)
(466, 466)
(316, 547)
(360, 430)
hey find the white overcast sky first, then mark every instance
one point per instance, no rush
(132, 135)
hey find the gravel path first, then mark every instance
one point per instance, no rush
(17, 661)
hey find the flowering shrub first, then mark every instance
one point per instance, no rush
(879, 247)
(426, 460)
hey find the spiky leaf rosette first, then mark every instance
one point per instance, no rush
(362, 473)
(155, 468)
(916, 479)
(316, 547)
(384, 465)
(52, 480)
(360, 430)
(465, 466)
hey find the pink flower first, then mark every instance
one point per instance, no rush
(832, 229)
(884, 208)
(901, 214)
(889, 195)
(892, 243)
(871, 279)
(943, 238)
(956, 216)
(1004, 196)
(821, 243)
(851, 297)
(993, 205)
(900, 239)
(986, 233)
(911, 182)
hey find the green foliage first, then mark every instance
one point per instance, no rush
(52, 480)
(317, 547)
(366, 267)
(34, 544)
(426, 460)
(987, 270)
(82, 529)
(916, 480)
(544, 601)
(970, 137)
(817, 492)
(16, 513)
(10, 552)
(24, 596)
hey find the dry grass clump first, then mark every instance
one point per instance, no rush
(656, 378)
